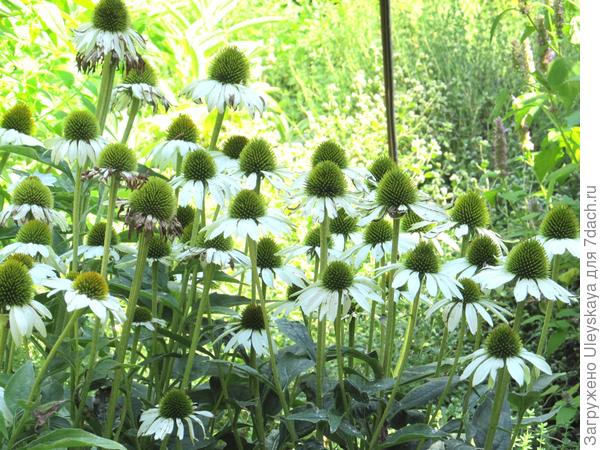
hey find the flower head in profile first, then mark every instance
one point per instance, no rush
(473, 305)
(17, 126)
(270, 265)
(87, 289)
(109, 35)
(338, 284)
(257, 162)
(228, 157)
(527, 263)
(248, 216)
(94, 244)
(182, 138)
(482, 252)
(503, 348)
(379, 168)
(174, 411)
(81, 141)
(343, 230)
(226, 86)
(247, 331)
(16, 299)
(310, 247)
(34, 239)
(32, 200)
(140, 84)
(218, 250)
(37, 271)
(142, 317)
(117, 160)
(376, 242)
(559, 232)
(420, 271)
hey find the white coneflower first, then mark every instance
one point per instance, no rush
(16, 299)
(395, 195)
(377, 241)
(182, 138)
(310, 247)
(88, 289)
(109, 32)
(378, 169)
(247, 331)
(339, 283)
(343, 230)
(159, 251)
(140, 84)
(248, 216)
(227, 158)
(422, 262)
(142, 317)
(32, 200)
(474, 305)
(16, 127)
(270, 265)
(200, 176)
(117, 160)
(94, 244)
(38, 272)
(228, 75)
(218, 250)
(34, 238)
(503, 348)
(527, 262)
(174, 411)
(560, 232)
(81, 141)
(257, 162)
(482, 252)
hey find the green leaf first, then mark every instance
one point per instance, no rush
(318, 415)
(546, 160)
(497, 20)
(422, 395)
(413, 432)
(298, 333)
(480, 423)
(71, 437)
(37, 154)
(19, 386)
(540, 419)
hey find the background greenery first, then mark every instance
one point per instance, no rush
(486, 94)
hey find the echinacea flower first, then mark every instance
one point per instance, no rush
(16, 299)
(142, 317)
(310, 247)
(37, 271)
(472, 305)
(248, 216)
(227, 158)
(377, 241)
(174, 411)
(94, 244)
(182, 138)
(88, 289)
(32, 200)
(270, 265)
(560, 232)
(140, 83)
(81, 142)
(422, 264)
(482, 252)
(343, 229)
(200, 176)
(338, 284)
(257, 162)
(109, 33)
(248, 331)
(503, 348)
(331, 151)
(117, 160)
(225, 87)
(16, 127)
(527, 263)
(379, 168)
(218, 250)
(34, 238)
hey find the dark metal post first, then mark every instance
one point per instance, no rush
(388, 76)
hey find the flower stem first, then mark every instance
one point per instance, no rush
(3, 336)
(90, 370)
(391, 305)
(465, 408)
(501, 385)
(76, 217)
(136, 284)
(400, 366)
(216, 130)
(110, 216)
(518, 315)
(541, 348)
(105, 93)
(339, 356)
(133, 110)
(154, 368)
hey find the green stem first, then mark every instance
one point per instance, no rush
(391, 304)
(541, 348)
(90, 370)
(3, 337)
(121, 351)
(400, 366)
(501, 385)
(465, 408)
(76, 217)
(105, 93)
(216, 130)
(258, 416)
(339, 356)
(519, 315)
(132, 113)
(154, 369)
(110, 216)
(351, 337)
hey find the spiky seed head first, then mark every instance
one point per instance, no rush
(24, 259)
(158, 247)
(423, 258)
(396, 189)
(185, 215)
(186, 236)
(95, 237)
(199, 166)
(313, 238)
(183, 129)
(381, 166)
(338, 276)
(18, 118)
(528, 259)
(483, 251)
(343, 224)
(560, 223)
(35, 232)
(220, 242)
(247, 204)
(71, 275)
(16, 286)
(470, 209)
(31, 191)
(470, 290)
(234, 145)
(503, 342)
(330, 151)
(325, 180)
(117, 157)
(91, 284)
(230, 66)
(155, 198)
(292, 292)
(111, 15)
(175, 404)
(378, 232)
(80, 126)
(142, 314)
(257, 156)
(252, 318)
(266, 254)
(141, 75)
(409, 220)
